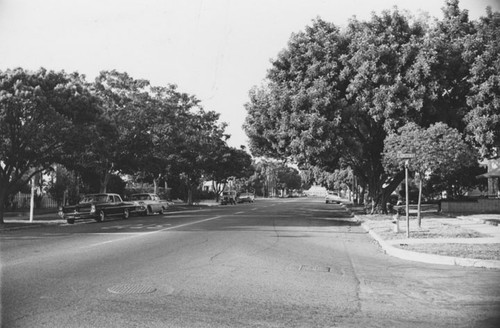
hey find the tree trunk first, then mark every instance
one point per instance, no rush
(189, 190)
(3, 199)
(382, 196)
(419, 201)
(190, 195)
(104, 182)
(361, 196)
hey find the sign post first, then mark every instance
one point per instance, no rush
(32, 199)
(407, 158)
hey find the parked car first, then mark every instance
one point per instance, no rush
(147, 203)
(246, 197)
(97, 207)
(228, 197)
(332, 197)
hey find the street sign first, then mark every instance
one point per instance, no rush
(406, 155)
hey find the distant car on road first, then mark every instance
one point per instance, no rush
(97, 207)
(228, 197)
(332, 197)
(246, 197)
(148, 203)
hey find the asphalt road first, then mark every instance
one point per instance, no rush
(273, 263)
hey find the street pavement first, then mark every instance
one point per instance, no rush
(481, 223)
(274, 263)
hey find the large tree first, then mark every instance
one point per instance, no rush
(483, 121)
(162, 121)
(288, 178)
(332, 96)
(120, 136)
(196, 144)
(227, 162)
(439, 150)
(43, 115)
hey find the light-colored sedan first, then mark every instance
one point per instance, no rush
(246, 197)
(149, 203)
(332, 197)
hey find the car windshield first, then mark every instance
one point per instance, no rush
(140, 197)
(94, 198)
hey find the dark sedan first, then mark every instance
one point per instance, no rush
(97, 207)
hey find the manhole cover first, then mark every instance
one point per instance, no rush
(314, 268)
(131, 289)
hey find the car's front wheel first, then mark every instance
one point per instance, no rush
(101, 216)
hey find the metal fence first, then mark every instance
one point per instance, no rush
(23, 201)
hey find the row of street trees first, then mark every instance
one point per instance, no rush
(114, 125)
(353, 98)
(273, 178)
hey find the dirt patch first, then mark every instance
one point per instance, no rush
(473, 251)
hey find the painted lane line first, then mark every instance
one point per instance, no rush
(128, 236)
(152, 232)
(118, 233)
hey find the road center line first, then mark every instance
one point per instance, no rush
(152, 232)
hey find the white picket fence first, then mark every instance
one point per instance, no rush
(23, 201)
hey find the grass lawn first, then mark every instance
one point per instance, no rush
(436, 226)
(432, 227)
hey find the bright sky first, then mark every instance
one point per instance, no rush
(213, 49)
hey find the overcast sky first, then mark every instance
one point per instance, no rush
(213, 49)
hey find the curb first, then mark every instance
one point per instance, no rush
(430, 258)
(21, 227)
(492, 222)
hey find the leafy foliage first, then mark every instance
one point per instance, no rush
(116, 125)
(42, 115)
(483, 121)
(441, 154)
(228, 162)
(333, 96)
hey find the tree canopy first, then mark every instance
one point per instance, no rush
(42, 116)
(332, 96)
(440, 153)
(116, 125)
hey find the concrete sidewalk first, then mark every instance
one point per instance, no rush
(486, 235)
